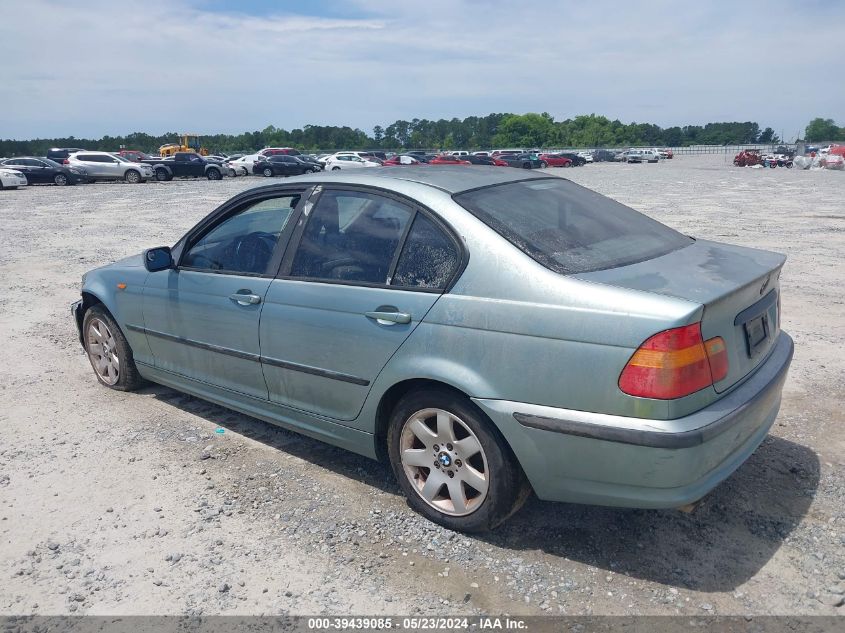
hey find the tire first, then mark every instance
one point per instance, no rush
(543, 164)
(487, 462)
(132, 176)
(267, 172)
(60, 180)
(526, 165)
(213, 174)
(119, 371)
(335, 168)
(162, 175)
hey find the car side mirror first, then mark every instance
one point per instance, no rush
(159, 258)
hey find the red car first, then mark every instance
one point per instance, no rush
(555, 160)
(448, 160)
(402, 160)
(136, 156)
(498, 162)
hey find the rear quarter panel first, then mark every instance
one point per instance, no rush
(511, 329)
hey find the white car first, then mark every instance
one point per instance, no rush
(348, 161)
(459, 152)
(243, 166)
(107, 166)
(11, 178)
(362, 155)
(587, 156)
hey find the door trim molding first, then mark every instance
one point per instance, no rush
(306, 369)
(192, 343)
(316, 371)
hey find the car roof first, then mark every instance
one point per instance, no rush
(449, 178)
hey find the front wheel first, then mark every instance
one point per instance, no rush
(543, 164)
(451, 462)
(213, 174)
(108, 351)
(335, 168)
(162, 175)
(267, 172)
(132, 176)
(60, 180)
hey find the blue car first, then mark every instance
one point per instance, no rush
(488, 332)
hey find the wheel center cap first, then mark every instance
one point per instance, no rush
(444, 459)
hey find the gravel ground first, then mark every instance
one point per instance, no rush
(108, 507)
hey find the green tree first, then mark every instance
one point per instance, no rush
(823, 130)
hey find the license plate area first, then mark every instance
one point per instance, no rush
(757, 333)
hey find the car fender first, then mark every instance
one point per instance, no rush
(120, 289)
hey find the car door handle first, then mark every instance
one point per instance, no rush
(389, 318)
(245, 298)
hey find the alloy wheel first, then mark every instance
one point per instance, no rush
(444, 462)
(102, 351)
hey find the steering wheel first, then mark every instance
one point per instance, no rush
(252, 252)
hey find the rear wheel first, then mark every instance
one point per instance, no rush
(335, 168)
(451, 462)
(526, 165)
(60, 180)
(133, 177)
(267, 172)
(108, 352)
(543, 164)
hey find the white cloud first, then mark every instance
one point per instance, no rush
(89, 68)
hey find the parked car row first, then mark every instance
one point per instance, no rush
(70, 166)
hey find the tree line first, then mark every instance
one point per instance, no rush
(474, 132)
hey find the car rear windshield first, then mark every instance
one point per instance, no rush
(568, 228)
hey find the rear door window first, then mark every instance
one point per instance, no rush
(351, 236)
(568, 228)
(429, 257)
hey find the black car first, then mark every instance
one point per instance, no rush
(310, 161)
(283, 165)
(45, 171)
(525, 161)
(603, 155)
(60, 154)
(479, 160)
(577, 161)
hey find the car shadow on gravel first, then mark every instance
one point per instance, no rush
(720, 545)
(723, 543)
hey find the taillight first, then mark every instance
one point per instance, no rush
(717, 356)
(674, 363)
(65, 162)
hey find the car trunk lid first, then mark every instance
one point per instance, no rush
(739, 288)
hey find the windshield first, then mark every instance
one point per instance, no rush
(568, 228)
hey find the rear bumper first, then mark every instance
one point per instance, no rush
(611, 460)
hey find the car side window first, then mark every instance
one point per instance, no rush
(244, 242)
(429, 257)
(351, 236)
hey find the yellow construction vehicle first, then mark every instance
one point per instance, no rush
(188, 142)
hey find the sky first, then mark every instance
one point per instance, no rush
(94, 67)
